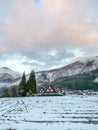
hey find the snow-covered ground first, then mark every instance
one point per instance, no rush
(70, 112)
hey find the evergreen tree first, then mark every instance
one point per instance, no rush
(23, 82)
(32, 82)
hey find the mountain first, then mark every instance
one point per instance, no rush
(80, 65)
(81, 81)
(9, 77)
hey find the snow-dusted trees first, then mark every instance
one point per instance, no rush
(28, 87)
(23, 81)
(31, 83)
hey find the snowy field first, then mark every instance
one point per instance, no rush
(49, 113)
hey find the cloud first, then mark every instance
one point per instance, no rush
(2, 48)
(49, 30)
(47, 58)
(50, 23)
(74, 22)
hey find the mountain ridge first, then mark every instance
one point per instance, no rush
(80, 65)
(76, 67)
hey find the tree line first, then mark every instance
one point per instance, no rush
(84, 81)
(25, 87)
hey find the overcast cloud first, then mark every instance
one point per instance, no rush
(45, 34)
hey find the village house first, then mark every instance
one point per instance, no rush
(58, 90)
(50, 89)
(42, 90)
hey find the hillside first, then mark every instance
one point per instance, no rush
(82, 81)
(8, 77)
(79, 66)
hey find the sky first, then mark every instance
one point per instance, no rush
(46, 34)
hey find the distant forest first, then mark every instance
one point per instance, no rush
(83, 81)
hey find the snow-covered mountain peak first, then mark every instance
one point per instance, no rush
(9, 77)
(79, 65)
(86, 59)
(6, 70)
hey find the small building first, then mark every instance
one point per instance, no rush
(50, 89)
(58, 90)
(42, 90)
(78, 92)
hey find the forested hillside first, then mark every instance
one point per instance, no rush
(84, 81)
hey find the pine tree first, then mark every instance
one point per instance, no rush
(32, 82)
(23, 82)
